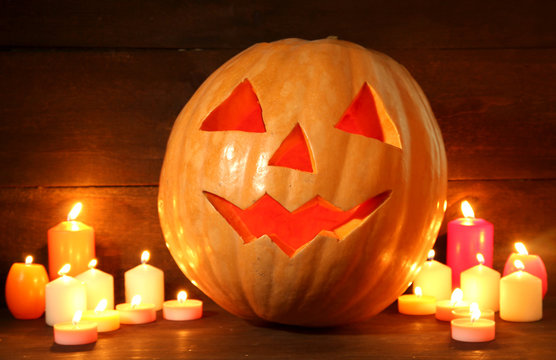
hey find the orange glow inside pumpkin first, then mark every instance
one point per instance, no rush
(361, 117)
(294, 152)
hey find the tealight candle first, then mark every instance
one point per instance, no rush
(75, 332)
(63, 297)
(533, 264)
(473, 329)
(481, 284)
(468, 236)
(70, 242)
(182, 308)
(465, 313)
(520, 296)
(136, 312)
(25, 289)
(99, 285)
(147, 281)
(444, 308)
(434, 278)
(107, 320)
(417, 303)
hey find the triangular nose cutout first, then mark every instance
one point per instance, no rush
(294, 152)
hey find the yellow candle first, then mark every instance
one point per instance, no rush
(520, 296)
(444, 308)
(481, 284)
(417, 303)
(107, 320)
(434, 278)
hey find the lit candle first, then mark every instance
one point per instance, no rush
(468, 236)
(182, 308)
(25, 289)
(481, 284)
(434, 278)
(136, 312)
(147, 281)
(417, 303)
(70, 242)
(465, 313)
(444, 308)
(473, 329)
(107, 320)
(533, 264)
(64, 296)
(99, 284)
(75, 332)
(520, 296)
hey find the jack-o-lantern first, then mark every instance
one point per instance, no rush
(304, 183)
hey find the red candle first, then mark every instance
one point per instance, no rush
(25, 289)
(533, 264)
(468, 236)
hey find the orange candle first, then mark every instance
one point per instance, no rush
(417, 303)
(70, 242)
(25, 289)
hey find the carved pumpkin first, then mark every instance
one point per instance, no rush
(303, 183)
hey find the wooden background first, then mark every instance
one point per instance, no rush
(89, 91)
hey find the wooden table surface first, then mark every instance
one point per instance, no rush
(220, 335)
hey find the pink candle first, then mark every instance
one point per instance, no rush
(468, 236)
(182, 308)
(75, 332)
(533, 265)
(135, 312)
(473, 329)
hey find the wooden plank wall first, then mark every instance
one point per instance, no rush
(89, 92)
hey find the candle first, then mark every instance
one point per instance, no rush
(136, 312)
(417, 303)
(182, 308)
(473, 329)
(99, 285)
(434, 278)
(70, 242)
(75, 332)
(444, 308)
(107, 320)
(466, 312)
(63, 297)
(147, 281)
(533, 264)
(468, 236)
(25, 289)
(481, 284)
(520, 296)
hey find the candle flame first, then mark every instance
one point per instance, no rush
(430, 255)
(28, 260)
(92, 263)
(417, 291)
(136, 300)
(467, 210)
(519, 265)
(473, 307)
(475, 313)
(457, 296)
(182, 296)
(76, 317)
(521, 249)
(480, 258)
(64, 270)
(75, 210)
(145, 256)
(101, 306)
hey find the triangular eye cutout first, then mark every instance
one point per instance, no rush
(361, 117)
(294, 152)
(240, 111)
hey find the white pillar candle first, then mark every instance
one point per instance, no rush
(481, 284)
(147, 281)
(99, 285)
(520, 296)
(63, 297)
(434, 279)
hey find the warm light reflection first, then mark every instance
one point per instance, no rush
(519, 265)
(467, 210)
(475, 313)
(101, 306)
(64, 270)
(28, 260)
(417, 291)
(445, 204)
(457, 296)
(136, 300)
(76, 317)
(145, 256)
(92, 263)
(480, 258)
(521, 249)
(430, 255)
(182, 296)
(74, 212)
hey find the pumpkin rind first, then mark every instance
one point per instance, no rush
(328, 281)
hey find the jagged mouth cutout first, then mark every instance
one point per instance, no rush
(241, 111)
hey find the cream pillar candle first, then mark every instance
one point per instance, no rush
(99, 285)
(520, 296)
(481, 284)
(434, 279)
(147, 281)
(63, 297)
